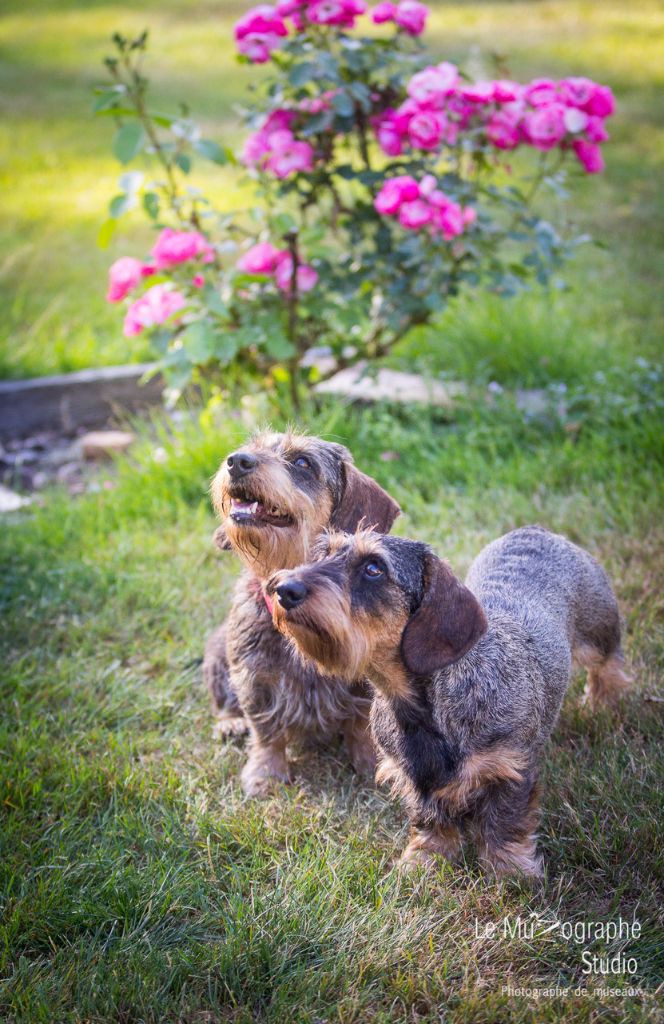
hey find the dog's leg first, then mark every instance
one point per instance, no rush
(607, 679)
(428, 843)
(266, 764)
(508, 819)
(216, 676)
(357, 736)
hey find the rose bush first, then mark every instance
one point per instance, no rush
(384, 184)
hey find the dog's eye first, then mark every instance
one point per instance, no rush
(302, 462)
(372, 570)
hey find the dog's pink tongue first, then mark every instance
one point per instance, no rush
(250, 507)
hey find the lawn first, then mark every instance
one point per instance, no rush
(136, 882)
(139, 885)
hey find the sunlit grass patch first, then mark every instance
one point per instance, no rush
(58, 173)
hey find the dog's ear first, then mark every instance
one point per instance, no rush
(448, 622)
(363, 501)
(220, 540)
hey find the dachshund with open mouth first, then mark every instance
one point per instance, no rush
(275, 497)
(469, 679)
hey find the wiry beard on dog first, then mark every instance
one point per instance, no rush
(321, 630)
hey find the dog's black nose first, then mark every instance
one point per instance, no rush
(240, 463)
(291, 594)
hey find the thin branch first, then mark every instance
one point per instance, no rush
(292, 332)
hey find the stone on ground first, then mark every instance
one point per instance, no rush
(102, 444)
(10, 501)
(355, 384)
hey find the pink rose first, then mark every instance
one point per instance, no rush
(415, 214)
(403, 114)
(278, 120)
(262, 20)
(411, 16)
(198, 280)
(589, 155)
(286, 8)
(449, 220)
(288, 155)
(596, 130)
(383, 12)
(478, 92)
(577, 92)
(260, 259)
(545, 126)
(123, 276)
(259, 145)
(394, 192)
(602, 102)
(257, 49)
(502, 130)
(541, 92)
(461, 109)
(426, 129)
(306, 275)
(505, 91)
(335, 12)
(431, 86)
(438, 198)
(428, 185)
(173, 247)
(390, 138)
(275, 148)
(256, 148)
(155, 307)
(317, 104)
(259, 32)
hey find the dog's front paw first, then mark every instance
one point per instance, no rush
(363, 760)
(412, 859)
(259, 777)
(229, 725)
(361, 749)
(428, 847)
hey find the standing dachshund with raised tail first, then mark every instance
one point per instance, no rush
(469, 679)
(275, 496)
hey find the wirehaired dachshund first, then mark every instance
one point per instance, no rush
(468, 679)
(275, 496)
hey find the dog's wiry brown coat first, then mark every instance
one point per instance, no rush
(300, 485)
(469, 685)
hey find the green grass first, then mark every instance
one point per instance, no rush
(57, 175)
(137, 883)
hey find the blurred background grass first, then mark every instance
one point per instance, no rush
(57, 175)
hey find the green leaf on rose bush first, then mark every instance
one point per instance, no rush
(128, 141)
(183, 162)
(301, 74)
(151, 205)
(277, 345)
(211, 150)
(343, 104)
(121, 204)
(198, 341)
(105, 233)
